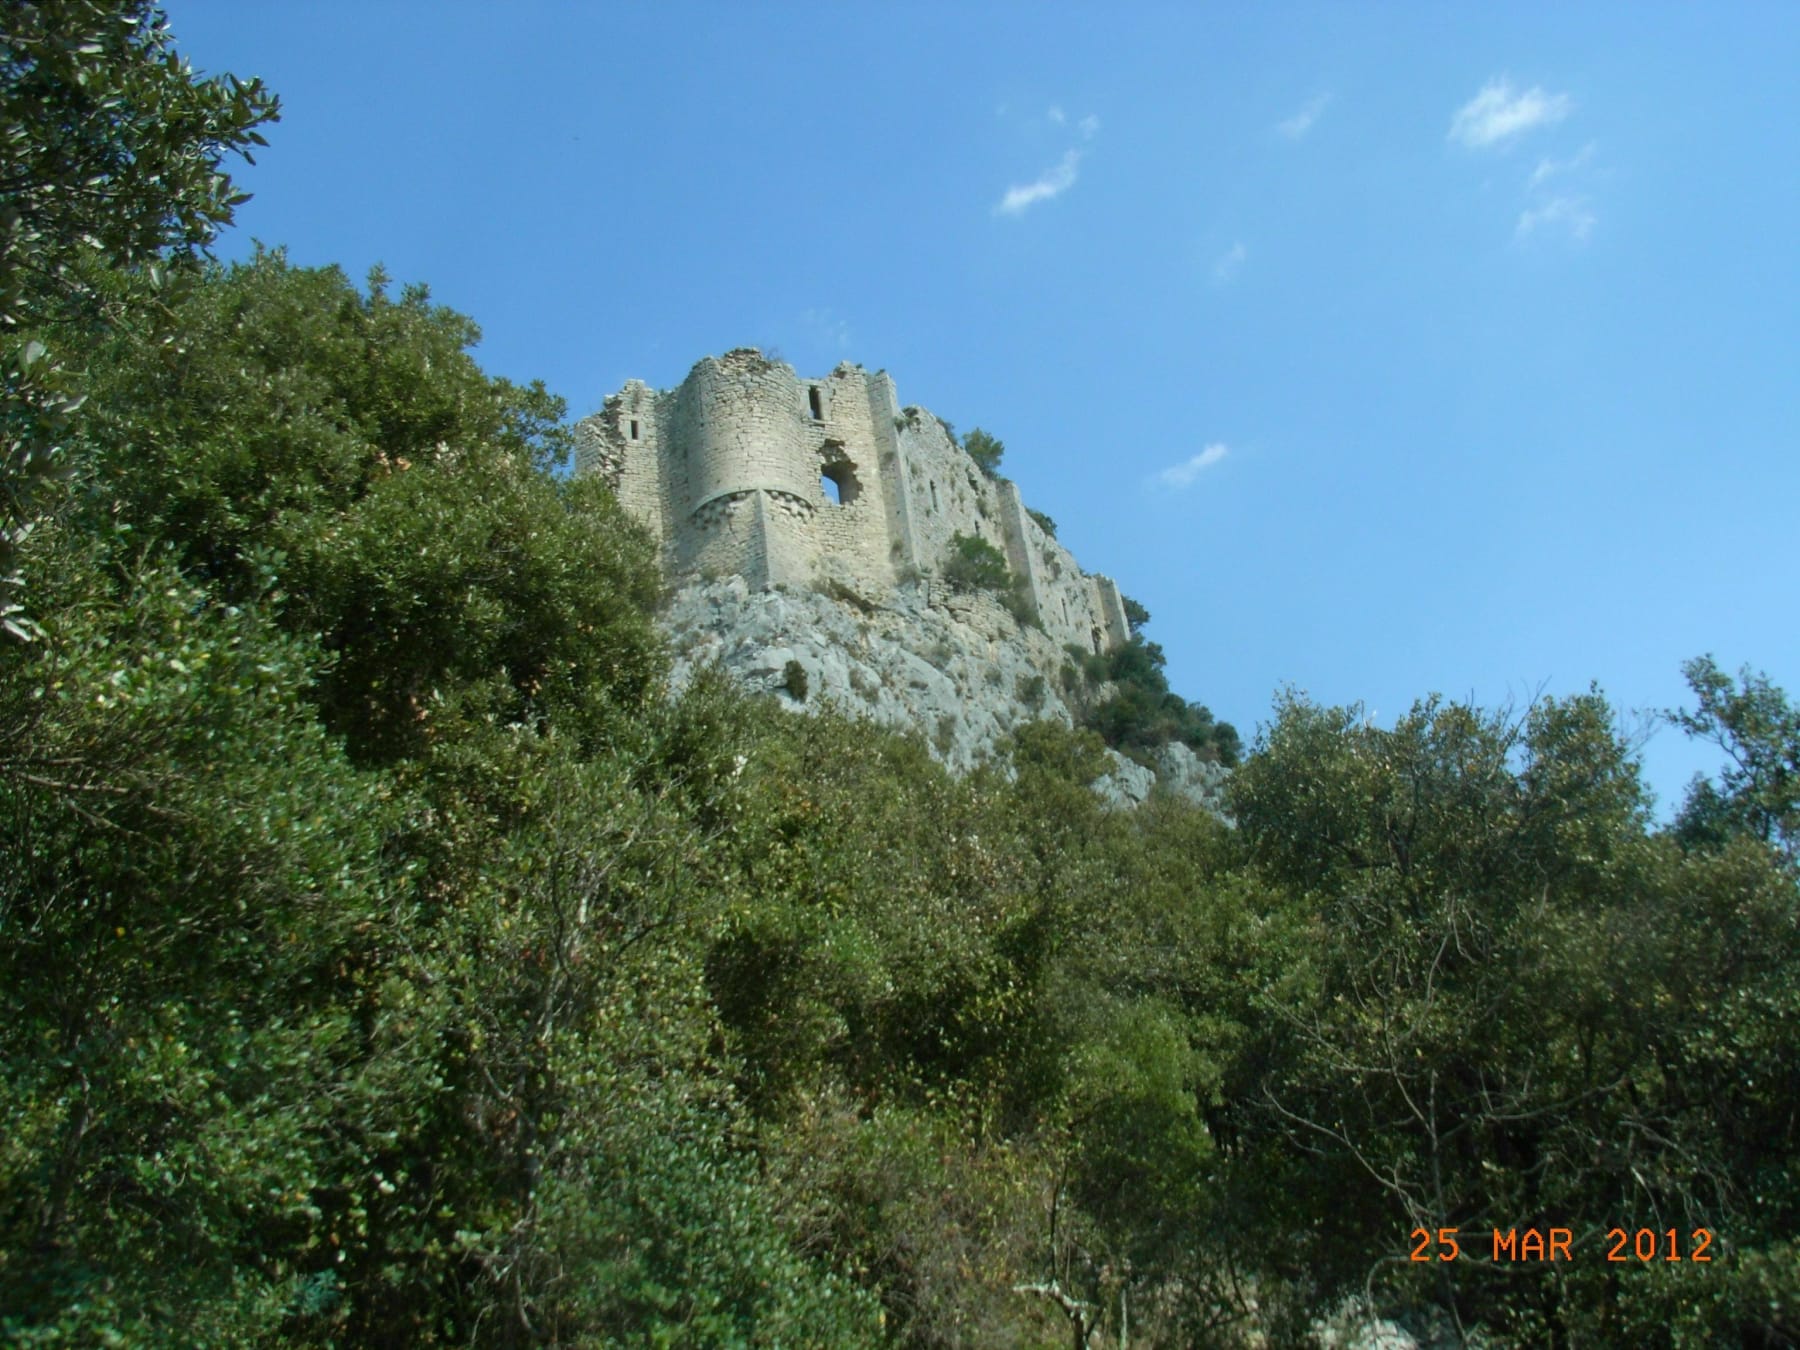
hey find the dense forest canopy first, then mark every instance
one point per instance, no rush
(388, 958)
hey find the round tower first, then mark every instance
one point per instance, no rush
(745, 431)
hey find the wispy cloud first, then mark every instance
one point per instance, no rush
(1056, 116)
(1182, 475)
(1228, 264)
(1052, 183)
(826, 328)
(1088, 126)
(1548, 168)
(1302, 122)
(1570, 214)
(1500, 114)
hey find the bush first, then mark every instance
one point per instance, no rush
(976, 565)
(1143, 713)
(793, 679)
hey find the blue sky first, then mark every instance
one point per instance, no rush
(1378, 350)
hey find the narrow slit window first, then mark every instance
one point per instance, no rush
(812, 397)
(1097, 651)
(634, 434)
(934, 505)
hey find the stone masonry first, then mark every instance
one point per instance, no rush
(749, 470)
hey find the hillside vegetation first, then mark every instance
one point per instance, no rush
(387, 959)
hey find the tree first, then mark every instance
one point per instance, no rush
(985, 450)
(420, 535)
(1514, 1005)
(1758, 791)
(976, 565)
(1135, 614)
(111, 149)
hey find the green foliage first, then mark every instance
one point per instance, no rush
(112, 150)
(987, 452)
(978, 566)
(1047, 525)
(349, 443)
(1135, 615)
(1143, 712)
(793, 679)
(192, 872)
(344, 814)
(975, 564)
(388, 958)
(1758, 792)
(112, 142)
(1507, 1006)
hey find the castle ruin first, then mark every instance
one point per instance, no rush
(748, 469)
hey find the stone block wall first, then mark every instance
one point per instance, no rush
(746, 469)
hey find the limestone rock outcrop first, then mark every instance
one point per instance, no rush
(953, 665)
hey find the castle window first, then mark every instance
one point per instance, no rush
(812, 397)
(934, 505)
(837, 483)
(1097, 651)
(634, 428)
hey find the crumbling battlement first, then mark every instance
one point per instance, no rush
(746, 469)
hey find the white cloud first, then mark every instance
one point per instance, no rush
(1571, 214)
(1549, 168)
(1499, 113)
(1087, 126)
(1182, 475)
(1052, 183)
(1302, 122)
(1229, 264)
(1055, 115)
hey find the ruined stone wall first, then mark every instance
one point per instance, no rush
(622, 444)
(854, 534)
(748, 470)
(950, 496)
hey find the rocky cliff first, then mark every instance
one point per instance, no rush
(954, 665)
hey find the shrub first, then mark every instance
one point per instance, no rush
(1144, 713)
(793, 679)
(1031, 691)
(945, 736)
(976, 564)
